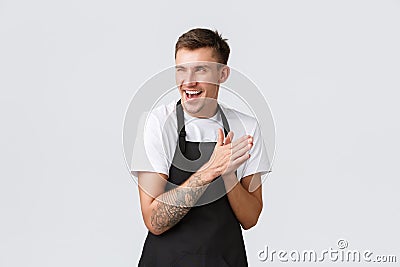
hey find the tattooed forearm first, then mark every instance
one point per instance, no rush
(173, 205)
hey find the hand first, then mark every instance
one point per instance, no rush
(228, 156)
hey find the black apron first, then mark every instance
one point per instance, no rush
(209, 234)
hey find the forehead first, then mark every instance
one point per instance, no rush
(184, 55)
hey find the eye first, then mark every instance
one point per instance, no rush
(201, 69)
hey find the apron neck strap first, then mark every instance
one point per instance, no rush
(181, 125)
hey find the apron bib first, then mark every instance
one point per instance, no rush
(209, 234)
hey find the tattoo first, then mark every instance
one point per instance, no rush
(173, 205)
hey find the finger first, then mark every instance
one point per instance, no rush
(241, 151)
(244, 138)
(220, 139)
(240, 160)
(237, 146)
(240, 146)
(229, 138)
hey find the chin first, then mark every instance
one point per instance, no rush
(193, 106)
(198, 106)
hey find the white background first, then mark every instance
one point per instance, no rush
(68, 69)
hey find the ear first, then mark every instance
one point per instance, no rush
(224, 74)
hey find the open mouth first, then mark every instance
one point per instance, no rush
(192, 94)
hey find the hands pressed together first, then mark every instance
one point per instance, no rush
(229, 155)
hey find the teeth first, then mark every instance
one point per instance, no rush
(192, 92)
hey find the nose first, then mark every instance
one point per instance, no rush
(190, 79)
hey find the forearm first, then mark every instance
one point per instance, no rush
(170, 207)
(246, 206)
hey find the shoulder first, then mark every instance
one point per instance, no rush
(162, 111)
(239, 119)
(161, 114)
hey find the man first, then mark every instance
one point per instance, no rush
(204, 184)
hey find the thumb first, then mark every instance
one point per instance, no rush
(220, 139)
(229, 138)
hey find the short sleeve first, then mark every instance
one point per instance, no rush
(148, 153)
(259, 161)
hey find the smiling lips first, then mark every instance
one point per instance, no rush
(191, 94)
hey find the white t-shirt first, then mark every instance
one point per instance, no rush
(158, 136)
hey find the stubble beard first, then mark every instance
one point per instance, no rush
(202, 107)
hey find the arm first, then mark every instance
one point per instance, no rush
(245, 197)
(246, 205)
(162, 210)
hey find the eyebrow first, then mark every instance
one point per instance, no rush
(196, 66)
(202, 66)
